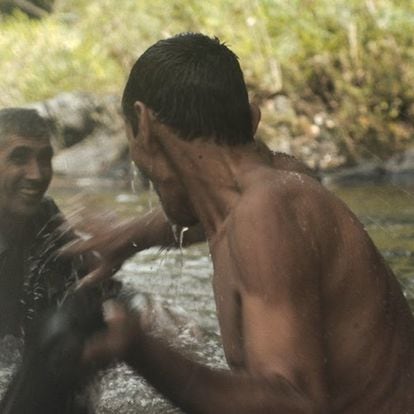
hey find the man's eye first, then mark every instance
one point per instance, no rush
(19, 156)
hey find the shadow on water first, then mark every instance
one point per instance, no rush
(177, 283)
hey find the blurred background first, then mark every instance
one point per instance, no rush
(334, 80)
(333, 77)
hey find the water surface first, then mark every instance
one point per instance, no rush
(178, 283)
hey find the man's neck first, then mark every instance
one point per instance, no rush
(214, 176)
(10, 229)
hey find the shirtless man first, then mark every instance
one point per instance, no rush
(312, 319)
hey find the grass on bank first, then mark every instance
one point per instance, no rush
(351, 60)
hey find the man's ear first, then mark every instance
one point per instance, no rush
(144, 119)
(255, 115)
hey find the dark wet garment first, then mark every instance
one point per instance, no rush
(35, 281)
(11, 280)
(50, 379)
(32, 277)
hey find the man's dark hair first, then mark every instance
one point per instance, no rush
(195, 85)
(23, 122)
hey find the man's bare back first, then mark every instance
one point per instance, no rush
(353, 301)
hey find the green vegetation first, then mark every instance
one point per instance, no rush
(350, 60)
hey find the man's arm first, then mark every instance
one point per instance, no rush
(193, 387)
(281, 325)
(278, 379)
(196, 388)
(117, 243)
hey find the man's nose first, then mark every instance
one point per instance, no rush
(33, 170)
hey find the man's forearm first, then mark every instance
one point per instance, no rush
(198, 389)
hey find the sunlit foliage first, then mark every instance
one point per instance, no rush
(350, 59)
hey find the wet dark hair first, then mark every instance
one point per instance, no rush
(195, 85)
(23, 122)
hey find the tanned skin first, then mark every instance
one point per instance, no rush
(133, 235)
(311, 317)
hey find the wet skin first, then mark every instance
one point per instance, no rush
(330, 317)
(312, 319)
(301, 291)
(25, 174)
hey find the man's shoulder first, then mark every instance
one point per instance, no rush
(48, 207)
(47, 228)
(287, 162)
(280, 187)
(279, 200)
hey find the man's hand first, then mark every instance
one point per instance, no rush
(112, 240)
(123, 329)
(108, 241)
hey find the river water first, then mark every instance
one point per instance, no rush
(177, 282)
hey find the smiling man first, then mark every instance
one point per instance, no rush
(31, 278)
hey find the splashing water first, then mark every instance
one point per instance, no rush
(177, 285)
(134, 177)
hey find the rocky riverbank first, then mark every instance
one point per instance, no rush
(90, 141)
